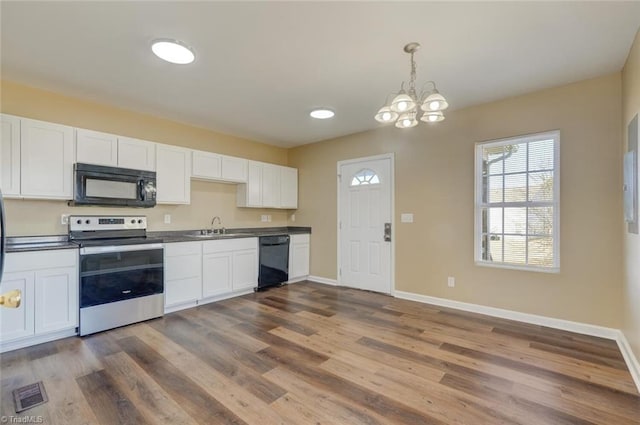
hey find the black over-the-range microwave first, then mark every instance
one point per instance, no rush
(113, 186)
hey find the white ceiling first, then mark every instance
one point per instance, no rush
(262, 66)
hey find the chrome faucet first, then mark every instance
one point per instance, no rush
(217, 230)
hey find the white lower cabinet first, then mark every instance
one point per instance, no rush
(182, 274)
(299, 250)
(216, 273)
(48, 281)
(201, 272)
(229, 265)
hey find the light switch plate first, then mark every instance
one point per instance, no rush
(406, 217)
(167, 219)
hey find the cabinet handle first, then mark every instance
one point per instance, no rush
(11, 299)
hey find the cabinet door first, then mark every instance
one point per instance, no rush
(216, 274)
(245, 269)
(97, 148)
(10, 155)
(270, 186)
(46, 160)
(288, 187)
(173, 168)
(299, 260)
(136, 154)
(234, 169)
(56, 299)
(17, 322)
(206, 165)
(182, 273)
(250, 194)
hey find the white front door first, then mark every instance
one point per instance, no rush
(364, 207)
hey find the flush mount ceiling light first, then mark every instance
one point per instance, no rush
(322, 113)
(173, 51)
(406, 106)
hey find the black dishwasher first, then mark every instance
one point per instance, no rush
(274, 261)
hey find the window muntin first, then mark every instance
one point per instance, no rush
(517, 202)
(365, 176)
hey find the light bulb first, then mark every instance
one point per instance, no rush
(386, 116)
(434, 106)
(433, 118)
(402, 106)
(406, 122)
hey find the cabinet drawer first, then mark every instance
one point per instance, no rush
(303, 238)
(178, 249)
(229, 245)
(35, 260)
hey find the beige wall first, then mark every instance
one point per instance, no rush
(435, 181)
(631, 287)
(207, 199)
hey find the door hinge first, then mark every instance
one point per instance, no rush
(340, 225)
(340, 272)
(340, 178)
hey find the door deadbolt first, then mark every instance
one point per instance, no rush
(387, 232)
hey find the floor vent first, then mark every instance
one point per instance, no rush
(29, 396)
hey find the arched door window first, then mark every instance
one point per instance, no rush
(365, 176)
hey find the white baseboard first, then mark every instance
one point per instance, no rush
(35, 340)
(566, 325)
(324, 280)
(630, 359)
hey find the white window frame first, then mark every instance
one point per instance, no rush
(479, 205)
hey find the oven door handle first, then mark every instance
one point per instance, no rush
(121, 270)
(119, 248)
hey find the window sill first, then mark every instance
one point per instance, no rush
(554, 270)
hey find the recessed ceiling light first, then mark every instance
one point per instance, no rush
(173, 51)
(322, 113)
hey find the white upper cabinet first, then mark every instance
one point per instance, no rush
(93, 147)
(136, 154)
(173, 168)
(288, 187)
(234, 169)
(250, 194)
(269, 186)
(221, 168)
(206, 165)
(46, 160)
(10, 155)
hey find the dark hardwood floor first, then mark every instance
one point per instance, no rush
(314, 354)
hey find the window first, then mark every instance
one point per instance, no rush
(517, 202)
(365, 176)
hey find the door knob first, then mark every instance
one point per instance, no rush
(11, 299)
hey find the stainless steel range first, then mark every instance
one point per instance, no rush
(121, 271)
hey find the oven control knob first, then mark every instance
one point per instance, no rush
(88, 221)
(133, 222)
(139, 221)
(79, 221)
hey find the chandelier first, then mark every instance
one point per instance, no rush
(404, 106)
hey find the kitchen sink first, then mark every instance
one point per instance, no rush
(215, 235)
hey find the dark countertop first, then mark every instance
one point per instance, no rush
(43, 243)
(38, 243)
(250, 232)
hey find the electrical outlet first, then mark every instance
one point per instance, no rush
(406, 218)
(264, 218)
(451, 281)
(167, 219)
(293, 217)
(64, 219)
(269, 218)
